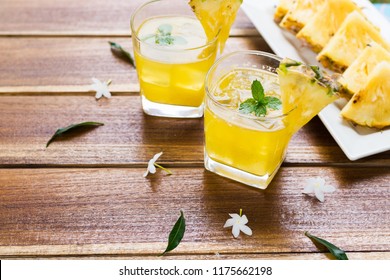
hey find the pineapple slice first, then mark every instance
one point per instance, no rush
(355, 77)
(300, 13)
(326, 21)
(216, 17)
(371, 106)
(349, 41)
(281, 10)
(305, 91)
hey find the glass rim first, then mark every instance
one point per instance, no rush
(162, 48)
(225, 107)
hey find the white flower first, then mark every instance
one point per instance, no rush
(238, 222)
(317, 187)
(152, 165)
(101, 88)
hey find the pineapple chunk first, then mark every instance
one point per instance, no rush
(371, 106)
(305, 91)
(349, 41)
(300, 13)
(216, 17)
(326, 21)
(281, 10)
(355, 77)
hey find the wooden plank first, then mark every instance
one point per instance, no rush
(66, 65)
(82, 18)
(173, 256)
(118, 212)
(129, 137)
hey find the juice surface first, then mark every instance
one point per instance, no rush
(168, 71)
(248, 144)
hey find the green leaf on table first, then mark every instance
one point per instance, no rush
(176, 234)
(260, 102)
(119, 51)
(63, 130)
(334, 250)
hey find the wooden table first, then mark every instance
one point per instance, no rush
(85, 196)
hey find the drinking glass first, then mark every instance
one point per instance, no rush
(172, 55)
(243, 147)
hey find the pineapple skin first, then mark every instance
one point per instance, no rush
(371, 106)
(349, 41)
(324, 24)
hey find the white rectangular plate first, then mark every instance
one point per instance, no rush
(356, 141)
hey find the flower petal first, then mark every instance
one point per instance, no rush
(96, 81)
(151, 168)
(319, 194)
(98, 94)
(156, 156)
(243, 220)
(328, 189)
(308, 189)
(235, 216)
(229, 223)
(146, 172)
(245, 229)
(107, 93)
(236, 231)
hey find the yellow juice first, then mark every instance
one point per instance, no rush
(251, 144)
(171, 60)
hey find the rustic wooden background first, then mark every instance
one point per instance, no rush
(85, 197)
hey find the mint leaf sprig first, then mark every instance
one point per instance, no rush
(259, 103)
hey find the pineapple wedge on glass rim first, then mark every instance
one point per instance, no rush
(326, 21)
(371, 105)
(305, 91)
(216, 17)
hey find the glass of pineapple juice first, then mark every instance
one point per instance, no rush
(243, 147)
(172, 55)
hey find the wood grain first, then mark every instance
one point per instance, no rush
(66, 65)
(80, 18)
(215, 256)
(118, 212)
(129, 137)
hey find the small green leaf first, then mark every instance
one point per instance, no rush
(248, 106)
(273, 102)
(119, 51)
(335, 251)
(316, 71)
(261, 110)
(70, 127)
(176, 234)
(257, 91)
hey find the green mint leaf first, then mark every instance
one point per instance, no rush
(176, 234)
(334, 250)
(273, 102)
(248, 106)
(261, 110)
(165, 29)
(121, 53)
(257, 90)
(63, 130)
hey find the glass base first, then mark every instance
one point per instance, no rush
(260, 182)
(170, 111)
